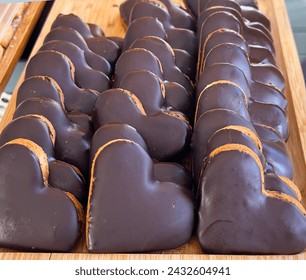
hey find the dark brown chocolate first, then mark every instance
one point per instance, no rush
(85, 76)
(117, 202)
(165, 54)
(48, 63)
(166, 133)
(72, 142)
(95, 61)
(34, 217)
(205, 127)
(95, 30)
(186, 63)
(179, 17)
(254, 15)
(249, 217)
(222, 95)
(134, 60)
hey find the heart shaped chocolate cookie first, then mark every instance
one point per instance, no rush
(128, 210)
(34, 217)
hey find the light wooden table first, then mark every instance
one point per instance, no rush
(106, 14)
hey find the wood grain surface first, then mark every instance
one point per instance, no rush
(19, 41)
(106, 14)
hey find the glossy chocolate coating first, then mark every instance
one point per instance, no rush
(48, 63)
(134, 60)
(275, 151)
(225, 72)
(222, 96)
(38, 86)
(254, 15)
(179, 17)
(166, 57)
(149, 93)
(113, 210)
(61, 174)
(81, 120)
(248, 219)
(33, 216)
(72, 142)
(205, 127)
(95, 30)
(99, 45)
(186, 63)
(85, 76)
(166, 135)
(270, 115)
(62, 33)
(260, 54)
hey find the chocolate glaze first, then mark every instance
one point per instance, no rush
(62, 33)
(248, 219)
(113, 210)
(225, 72)
(81, 120)
(260, 54)
(163, 171)
(166, 134)
(149, 93)
(254, 15)
(179, 17)
(39, 86)
(270, 115)
(134, 60)
(33, 216)
(275, 151)
(48, 63)
(205, 127)
(222, 96)
(72, 142)
(233, 54)
(165, 54)
(186, 63)
(85, 76)
(95, 30)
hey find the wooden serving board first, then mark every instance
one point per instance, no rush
(19, 40)
(106, 14)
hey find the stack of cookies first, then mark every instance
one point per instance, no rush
(247, 201)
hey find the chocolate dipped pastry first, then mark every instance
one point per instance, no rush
(112, 209)
(72, 142)
(249, 217)
(252, 14)
(39, 130)
(205, 127)
(66, 34)
(85, 76)
(166, 133)
(186, 63)
(98, 44)
(155, 95)
(275, 151)
(134, 60)
(222, 95)
(163, 51)
(179, 17)
(34, 217)
(149, 26)
(48, 63)
(163, 171)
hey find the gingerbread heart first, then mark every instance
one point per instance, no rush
(48, 63)
(117, 203)
(33, 216)
(62, 33)
(166, 134)
(179, 17)
(39, 130)
(249, 217)
(163, 171)
(72, 142)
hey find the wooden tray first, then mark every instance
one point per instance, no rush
(19, 40)
(106, 14)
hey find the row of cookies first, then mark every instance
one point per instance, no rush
(137, 201)
(247, 203)
(45, 148)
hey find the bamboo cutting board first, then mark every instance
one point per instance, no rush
(106, 14)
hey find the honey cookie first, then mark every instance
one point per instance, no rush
(34, 217)
(113, 208)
